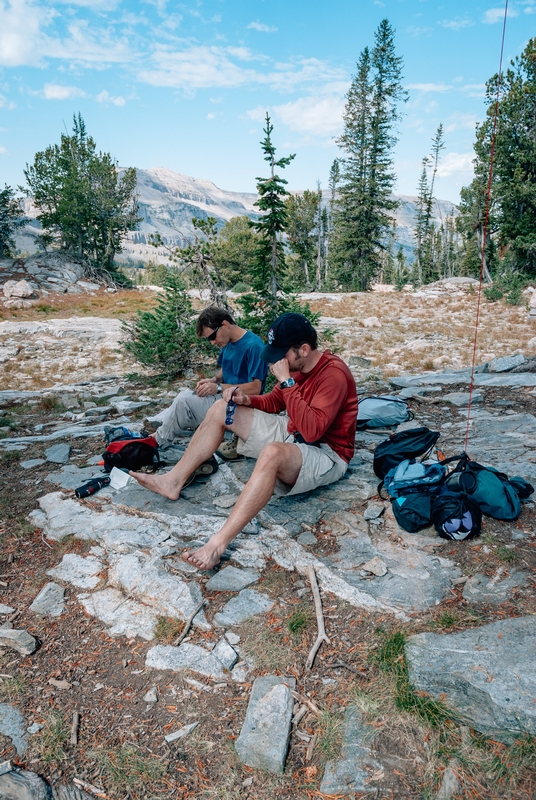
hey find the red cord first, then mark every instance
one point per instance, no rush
(485, 229)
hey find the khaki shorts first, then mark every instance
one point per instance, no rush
(320, 465)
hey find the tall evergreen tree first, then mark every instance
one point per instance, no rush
(302, 230)
(426, 265)
(363, 209)
(83, 203)
(10, 220)
(269, 266)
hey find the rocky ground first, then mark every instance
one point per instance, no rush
(378, 714)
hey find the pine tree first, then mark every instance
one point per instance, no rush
(11, 219)
(302, 231)
(269, 267)
(425, 233)
(363, 210)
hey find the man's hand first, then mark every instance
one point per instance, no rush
(238, 397)
(281, 370)
(206, 387)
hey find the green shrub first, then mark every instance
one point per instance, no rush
(164, 339)
(258, 312)
(493, 293)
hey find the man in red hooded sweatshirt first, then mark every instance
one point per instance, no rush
(307, 446)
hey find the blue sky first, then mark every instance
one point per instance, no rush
(186, 86)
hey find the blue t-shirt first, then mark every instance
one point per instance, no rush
(241, 361)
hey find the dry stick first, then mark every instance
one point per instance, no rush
(311, 747)
(89, 788)
(319, 620)
(309, 703)
(74, 727)
(188, 623)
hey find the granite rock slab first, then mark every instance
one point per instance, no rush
(187, 656)
(58, 453)
(355, 770)
(482, 589)
(12, 725)
(506, 363)
(81, 571)
(71, 476)
(461, 399)
(19, 640)
(49, 601)
(225, 653)
(31, 463)
(247, 603)
(123, 617)
(486, 675)
(22, 785)
(263, 740)
(232, 579)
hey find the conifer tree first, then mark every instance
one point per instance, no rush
(10, 220)
(269, 266)
(363, 209)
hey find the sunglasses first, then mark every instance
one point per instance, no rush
(230, 409)
(212, 336)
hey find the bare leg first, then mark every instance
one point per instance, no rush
(203, 445)
(277, 460)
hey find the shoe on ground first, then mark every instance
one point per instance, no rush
(203, 470)
(228, 450)
(151, 426)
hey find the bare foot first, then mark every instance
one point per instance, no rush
(161, 484)
(206, 557)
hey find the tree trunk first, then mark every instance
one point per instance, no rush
(218, 298)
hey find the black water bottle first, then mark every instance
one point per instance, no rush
(92, 486)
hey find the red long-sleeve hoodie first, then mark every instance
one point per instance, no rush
(322, 405)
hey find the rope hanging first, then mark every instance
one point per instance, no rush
(485, 228)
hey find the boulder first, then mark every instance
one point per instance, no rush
(18, 289)
(506, 363)
(49, 601)
(19, 640)
(22, 785)
(487, 675)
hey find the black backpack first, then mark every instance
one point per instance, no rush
(413, 511)
(456, 516)
(400, 446)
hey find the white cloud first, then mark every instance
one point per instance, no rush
(456, 164)
(497, 15)
(202, 67)
(257, 114)
(104, 97)
(97, 5)
(429, 87)
(456, 24)
(474, 89)
(20, 25)
(260, 26)
(211, 115)
(3, 150)
(5, 103)
(461, 121)
(52, 91)
(87, 45)
(320, 116)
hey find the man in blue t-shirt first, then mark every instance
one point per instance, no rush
(239, 363)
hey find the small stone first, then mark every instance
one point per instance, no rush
(373, 511)
(450, 783)
(63, 684)
(12, 725)
(306, 538)
(232, 637)
(151, 696)
(232, 579)
(225, 500)
(58, 453)
(246, 604)
(226, 654)
(461, 399)
(376, 566)
(32, 462)
(19, 640)
(6, 609)
(49, 601)
(263, 740)
(35, 727)
(172, 737)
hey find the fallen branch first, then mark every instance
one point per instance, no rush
(88, 787)
(188, 623)
(319, 620)
(310, 748)
(344, 665)
(309, 703)
(74, 727)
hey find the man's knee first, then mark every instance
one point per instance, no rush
(216, 410)
(273, 453)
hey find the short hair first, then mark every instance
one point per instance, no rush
(212, 317)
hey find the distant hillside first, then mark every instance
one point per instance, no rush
(168, 201)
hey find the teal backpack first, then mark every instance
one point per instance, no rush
(489, 488)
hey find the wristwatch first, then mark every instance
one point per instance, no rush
(219, 388)
(287, 384)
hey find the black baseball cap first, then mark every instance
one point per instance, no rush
(286, 331)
